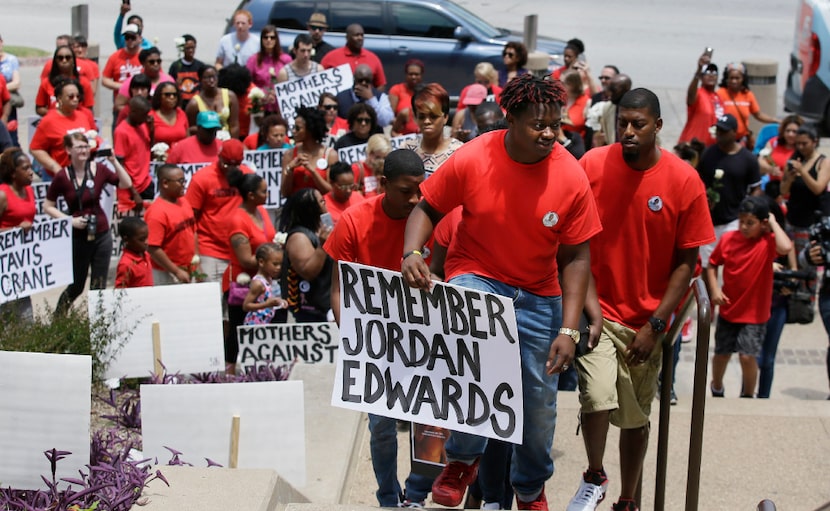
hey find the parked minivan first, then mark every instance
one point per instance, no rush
(808, 81)
(449, 39)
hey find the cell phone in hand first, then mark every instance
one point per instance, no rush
(327, 220)
(708, 51)
(104, 153)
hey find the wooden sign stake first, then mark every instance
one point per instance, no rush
(158, 368)
(234, 457)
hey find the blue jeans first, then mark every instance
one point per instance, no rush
(538, 319)
(384, 448)
(766, 360)
(824, 310)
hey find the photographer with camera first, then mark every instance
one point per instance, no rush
(80, 184)
(805, 182)
(818, 254)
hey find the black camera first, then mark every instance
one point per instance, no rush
(91, 227)
(791, 279)
(820, 234)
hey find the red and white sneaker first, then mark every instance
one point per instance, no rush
(449, 487)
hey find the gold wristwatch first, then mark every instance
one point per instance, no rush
(570, 332)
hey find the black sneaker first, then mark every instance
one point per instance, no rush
(716, 393)
(625, 505)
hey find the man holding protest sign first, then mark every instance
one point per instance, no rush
(521, 194)
(372, 233)
(642, 269)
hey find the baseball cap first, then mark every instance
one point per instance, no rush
(727, 122)
(131, 28)
(710, 68)
(208, 119)
(232, 152)
(476, 94)
(318, 18)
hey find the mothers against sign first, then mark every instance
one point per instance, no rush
(35, 260)
(447, 357)
(306, 90)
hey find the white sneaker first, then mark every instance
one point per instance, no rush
(490, 505)
(588, 496)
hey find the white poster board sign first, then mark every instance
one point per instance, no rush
(306, 90)
(268, 164)
(44, 404)
(196, 420)
(35, 260)
(190, 319)
(446, 357)
(283, 343)
(355, 153)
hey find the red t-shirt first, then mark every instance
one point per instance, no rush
(339, 127)
(340, 56)
(18, 210)
(190, 150)
(701, 116)
(51, 130)
(742, 107)
(404, 101)
(747, 276)
(336, 208)
(168, 134)
(250, 142)
(780, 156)
(242, 223)
(364, 176)
(302, 176)
(576, 113)
(5, 95)
(120, 66)
(515, 215)
(445, 230)
(132, 144)
(46, 94)
(210, 193)
(133, 270)
(646, 215)
(172, 228)
(366, 235)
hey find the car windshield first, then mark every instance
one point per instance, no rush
(486, 29)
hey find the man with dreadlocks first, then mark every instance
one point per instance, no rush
(528, 214)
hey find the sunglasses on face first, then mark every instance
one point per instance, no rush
(317, 28)
(130, 37)
(153, 61)
(269, 37)
(330, 107)
(170, 94)
(363, 80)
(64, 57)
(363, 120)
(508, 54)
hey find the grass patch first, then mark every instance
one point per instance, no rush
(26, 51)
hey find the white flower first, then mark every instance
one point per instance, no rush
(223, 135)
(256, 93)
(196, 260)
(179, 42)
(718, 174)
(280, 238)
(237, 47)
(92, 138)
(272, 71)
(243, 279)
(159, 149)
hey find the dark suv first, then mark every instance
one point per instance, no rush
(449, 39)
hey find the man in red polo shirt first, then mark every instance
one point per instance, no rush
(201, 147)
(354, 53)
(123, 64)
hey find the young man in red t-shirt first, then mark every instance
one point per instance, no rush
(132, 147)
(172, 240)
(527, 216)
(746, 296)
(655, 208)
(123, 63)
(372, 233)
(201, 147)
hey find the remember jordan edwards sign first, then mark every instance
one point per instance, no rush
(35, 260)
(446, 357)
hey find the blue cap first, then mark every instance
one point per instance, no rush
(208, 119)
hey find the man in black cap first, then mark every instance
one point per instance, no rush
(317, 27)
(730, 173)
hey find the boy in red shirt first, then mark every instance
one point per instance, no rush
(372, 233)
(134, 266)
(172, 241)
(342, 195)
(746, 296)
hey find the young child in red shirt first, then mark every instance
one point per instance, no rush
(134, 267)
(746, 296)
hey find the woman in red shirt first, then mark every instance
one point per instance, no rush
(400, 97)
(573, 115)
(739, 101)
(307, 165)
(63, 67)
(250, 227)
(17, 209)
(774, 156)
(169, 120)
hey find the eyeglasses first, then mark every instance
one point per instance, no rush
(345, 188)
(329, 107)
(170, 94)
(508, 54)
(64, 57)
(269, 37)
(130, 37)
(73, 96)
(364, 120)
(153, 61)
(181, 181)
(363, 80)
(317, 28)
(81, 147)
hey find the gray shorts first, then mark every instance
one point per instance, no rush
(743, 338)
